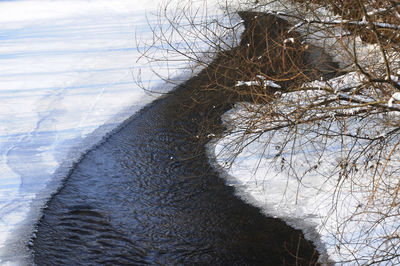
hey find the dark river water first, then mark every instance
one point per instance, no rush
(148, 195)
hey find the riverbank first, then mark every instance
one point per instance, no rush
(323, 155)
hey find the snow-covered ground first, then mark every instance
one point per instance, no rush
(67, 73)
(305, 187)
(343, 198)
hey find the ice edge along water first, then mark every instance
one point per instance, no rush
(66, 80)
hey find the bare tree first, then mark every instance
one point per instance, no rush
(321, 82)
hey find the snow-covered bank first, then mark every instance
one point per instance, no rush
(66, 68)
(348, 211)
(325, 156)
(333, 211)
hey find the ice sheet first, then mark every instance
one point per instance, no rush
(66, 68)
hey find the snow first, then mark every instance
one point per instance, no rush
(261, 81)
(312, 182)
(341, 83)
(67, 78)
(309, 184)
(307, 180)
(395, 97)
(247, 83)
(289, 40)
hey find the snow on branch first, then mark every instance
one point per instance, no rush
(262, 81)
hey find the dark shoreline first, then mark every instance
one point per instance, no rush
(167, 186)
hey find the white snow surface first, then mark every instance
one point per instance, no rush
(348, 218)
(395, 97)
(261, 81)
(66, 80)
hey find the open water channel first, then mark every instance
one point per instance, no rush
(148, 195)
